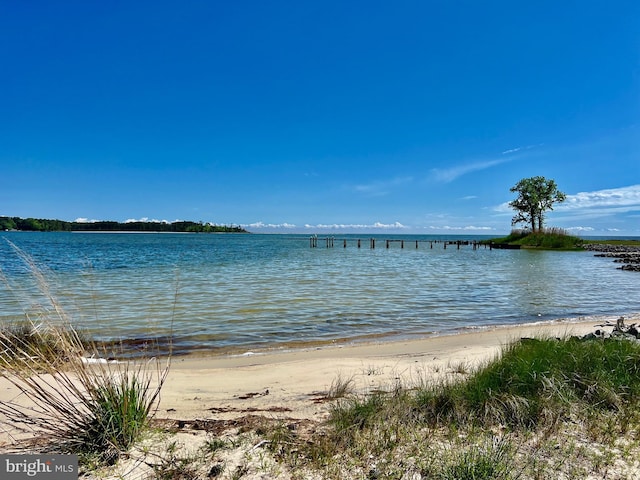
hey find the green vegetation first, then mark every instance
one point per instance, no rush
(549, 238)
(43, 225)
(24, 342)
(537, 381)
(491, 461)
(544, 407)
(174, 466)
(81, 405)
(536, 195)
(118, 412)
(70, 397)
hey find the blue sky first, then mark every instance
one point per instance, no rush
(363, 116)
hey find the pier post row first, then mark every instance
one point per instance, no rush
(330, 242)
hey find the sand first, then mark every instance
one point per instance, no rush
(226, 395)
(294, 384)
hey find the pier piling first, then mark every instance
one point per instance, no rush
(329, 242)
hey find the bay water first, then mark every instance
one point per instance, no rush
(245, 292)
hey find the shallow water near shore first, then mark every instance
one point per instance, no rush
(238, 292)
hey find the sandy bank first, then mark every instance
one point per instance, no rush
(229, 398)
(293, 384)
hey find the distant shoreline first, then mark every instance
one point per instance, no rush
(55, 225)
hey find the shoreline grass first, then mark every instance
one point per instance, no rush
(71, 398)
(546, 239)
(564, 407)
(24, 341)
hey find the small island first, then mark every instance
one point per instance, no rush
(45, 225)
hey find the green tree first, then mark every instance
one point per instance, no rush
(7, 223)
(536, 195)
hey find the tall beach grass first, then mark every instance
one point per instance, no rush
(70, 396)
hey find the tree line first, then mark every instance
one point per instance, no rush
(47, 225)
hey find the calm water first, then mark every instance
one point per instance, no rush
(242, 292)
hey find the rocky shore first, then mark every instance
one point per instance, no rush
(627, 255)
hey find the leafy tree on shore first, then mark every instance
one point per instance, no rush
(536, 195)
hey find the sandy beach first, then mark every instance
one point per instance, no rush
(293, 384)
(225, 397)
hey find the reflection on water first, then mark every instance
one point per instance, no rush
(247, 291)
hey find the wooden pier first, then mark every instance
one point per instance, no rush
(330, 242)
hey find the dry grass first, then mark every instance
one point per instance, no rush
(71, 399)
(340, 387)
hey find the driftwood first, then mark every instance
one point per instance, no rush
(620, 329)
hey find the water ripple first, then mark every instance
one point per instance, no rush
(241, 291)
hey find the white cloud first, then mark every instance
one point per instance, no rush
(519, 149)
(599, 204)
(357, 226)
(623, 199)
(147, 220)
(608, 201)
(467, 228)
(450, 174)
(382, 187)
(503, 208)
(269, 225)
(129, 220)
(362, 228)
(326, 226)
(513, 150)
(447, 175)
(392, 225)
(580, 229)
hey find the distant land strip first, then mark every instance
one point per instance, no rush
(45, 225)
